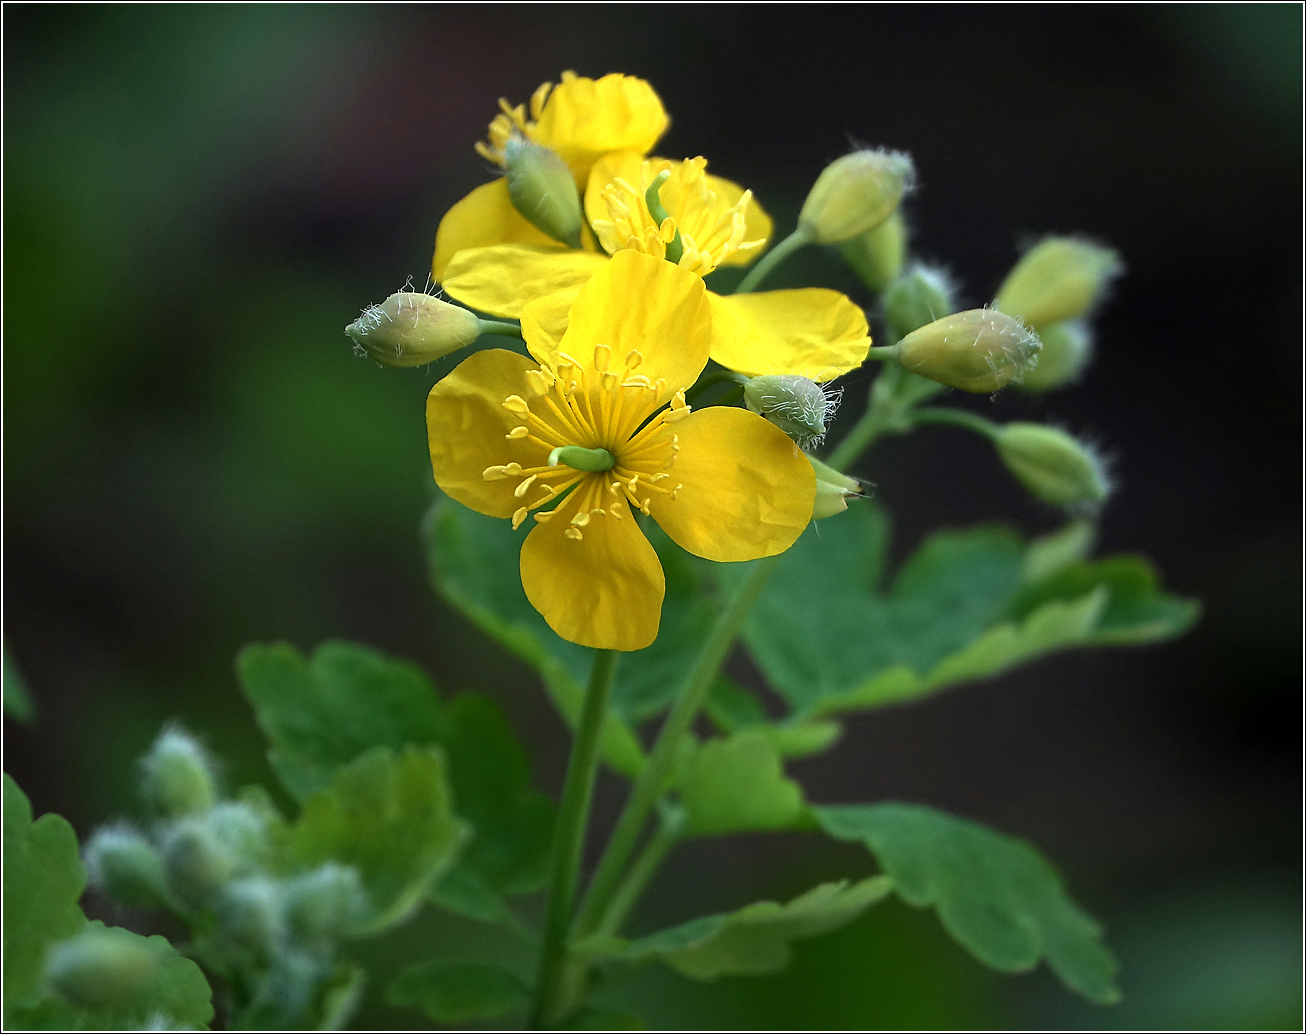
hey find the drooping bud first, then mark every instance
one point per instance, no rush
(1055, 466)
(920, 296)
(195, 861)
(101, 966)
(411, 329)
(799, 407)
(121, 863)
(878, 254)
(543, 189)
(178, 774)
(1067, 351)
(978, 350)
(1058, 279)
(833, 490)
(854, 194)
(252, 914)
(327, 902)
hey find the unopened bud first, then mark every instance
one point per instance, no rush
(977, 350)
(920, 296)
(1067, 351)
(242, 831)
(252, 914)
(877, 255)
(121, 863)
(178, 774)
(854, 194)
(1055, 466)
(411, 329)
(327, 902)
(799, 407)
(1058, 279)
(543, 189)
(833, 490)
(101, 966)
(195, 861)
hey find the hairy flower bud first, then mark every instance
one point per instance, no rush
(178, 774)
(854, 194)
(833, 490)
(977, 350)
(121, 863)
(878, 254)
(252, 914)
(196, 862)
(920, 296)
(799, 407)
(100, 967)
(327, 902)
(1058, 279)
(1055, 466)
(543, 189)
(411, 329)
(1067, 351)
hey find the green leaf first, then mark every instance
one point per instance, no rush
(828, 638)
(449, 992)
(43, 879)
(17, 700)
(390, 815)
(736, 784)
(732, 708)
(753, 940)
(995, 894)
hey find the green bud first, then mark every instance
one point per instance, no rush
(121, 863)
(242, 831)
(854, 194)
(252, 915)
(543, 189)
(833, 490)
(1053, 465)
(196, 862)
(1067, 351)
(799, 407)
(920, 296)
(411, 329)
(326, 903)
(1058, 279)
(178, 774)
(878, 254)
(100, 967)
(978, 350)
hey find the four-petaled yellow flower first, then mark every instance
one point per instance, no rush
(722, 482)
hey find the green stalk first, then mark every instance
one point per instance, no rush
(500, 327)
(773, 258)
(628, 892)
(569, 839)
(957, 418)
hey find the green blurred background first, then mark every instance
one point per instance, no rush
(198, 199)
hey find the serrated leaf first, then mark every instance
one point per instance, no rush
(736, 784)
(449, 992)
(753, 940)
(829, 639)
(389, 814)
(43, 879)
(997, 895)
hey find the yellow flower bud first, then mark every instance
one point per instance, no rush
(877, 255)
(1053, 465)
(1067, 350)
(977, 350)
(412, 329)
(854, 194)
(921, 295)
(543, 189)
(1058, 279)
(833, 490)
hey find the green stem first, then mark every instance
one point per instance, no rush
(773, 258)
(569, 838)
(641, 871)
(882, 413)
(957, 418)
(708, 379)
(500, 327)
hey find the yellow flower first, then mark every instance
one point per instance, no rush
(509, 435)
(581, 120)
(811, 332)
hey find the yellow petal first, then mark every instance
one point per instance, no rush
(466, 426)
(544, 321)
(485, 216)
(746, 491)
(757, 224)
(584, 119)
(639, 303)
(627, 165)
(501, 279)
(603, 589)
(810, 332)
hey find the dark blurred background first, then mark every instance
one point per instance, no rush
(198, 199)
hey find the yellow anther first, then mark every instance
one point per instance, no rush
(544, 516)
(499, 473)
(615, 508)
(661, 385)
(657, 477)
(644, 508)
(574, 533)
(518, 517)
(598, 510)
(518, 432)
(678, 401)
(674, 491)
(602, 356)
(569, 360)
(608, 380)
(633, 358)
(516, 404)
(614, 487)
(538, 383)
(673, 416)
(524, 487)
(580, 520)
(638, 381)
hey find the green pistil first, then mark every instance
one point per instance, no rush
(582, 459)
(675, 249)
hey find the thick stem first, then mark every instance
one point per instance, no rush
(773, 258)
(569, 839)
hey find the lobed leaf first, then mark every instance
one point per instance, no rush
(449, 992)
(736, 784)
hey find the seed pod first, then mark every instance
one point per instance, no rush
(978, 350)
(411, 329)
(1053, 465)
(854, 194)
(1058, 279)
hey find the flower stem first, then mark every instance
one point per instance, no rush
(957, 418)
(569, 838)
(500, 327)
(773, 258)
(628, 892)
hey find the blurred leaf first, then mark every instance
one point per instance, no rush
(340, 998)
(732, 708)
(753, 940)
(959, 609)
(604, 1019)
(995, 894)
(17, 700)
(737, 784)
(43, 879)
(390, 814)
(448, 992)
